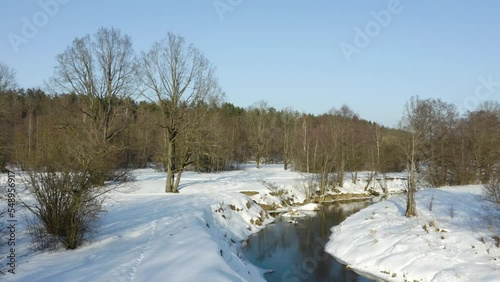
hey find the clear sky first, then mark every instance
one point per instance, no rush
(372, 55)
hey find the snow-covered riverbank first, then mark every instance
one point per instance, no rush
(450, 240)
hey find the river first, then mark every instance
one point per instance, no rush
(295, 251)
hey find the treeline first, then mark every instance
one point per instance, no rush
(39, 131)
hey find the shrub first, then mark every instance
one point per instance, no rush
(40, 239)
(492, 189)
(491, 216)
(67, 205)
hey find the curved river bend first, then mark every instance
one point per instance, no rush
(295, 251)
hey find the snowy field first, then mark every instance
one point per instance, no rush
(450, 240)
(195, 235)
(147, 235)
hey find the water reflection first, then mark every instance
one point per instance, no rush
(295, 252)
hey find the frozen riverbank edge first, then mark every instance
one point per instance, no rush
(450, 240)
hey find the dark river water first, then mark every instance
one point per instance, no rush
(295, 251)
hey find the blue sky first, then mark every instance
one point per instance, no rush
(289, 52)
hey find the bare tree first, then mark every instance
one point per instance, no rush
(7, 77)
(258, 125)
(179, 78)
(410, 150)
(410, 144)
(304, 141)
(435, 121)
(289, 121)
(375, 151)
(99, 68)
(342, 136)
(324, 157)
(483, 130)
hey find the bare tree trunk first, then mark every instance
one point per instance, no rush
(315, 155)
(289, 119)
(177, 181)
(410, 201)
(411, 209)
(169, 184)
(285, 149)
(30, 132)
(384, 183)
(305, 142)
(410, 206)
(341, 171)
(169, 188)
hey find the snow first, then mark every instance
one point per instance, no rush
(293, 214)
(394, 182)
(309, 207)
(148, 235)
(451, 242)
(302, 210)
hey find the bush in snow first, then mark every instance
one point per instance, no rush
(491, 217)
(492, 189)
(40, 240)
(66, 204)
